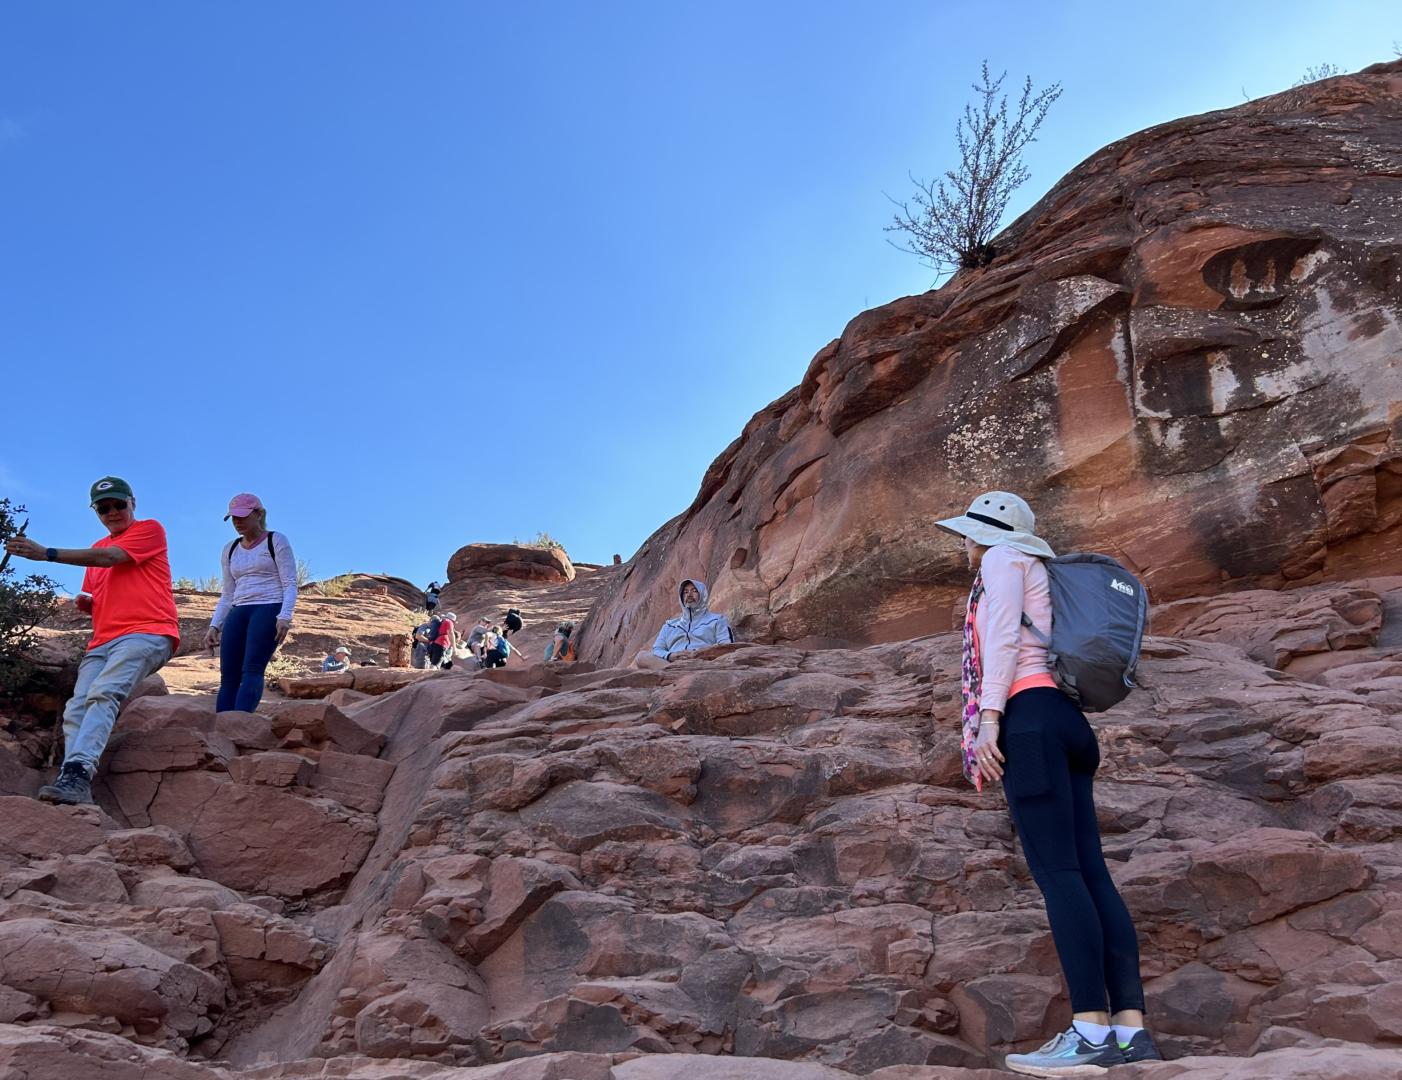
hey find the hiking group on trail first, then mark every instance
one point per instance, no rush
(1045, 639)
(438, 643)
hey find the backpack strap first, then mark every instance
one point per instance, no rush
(1035, 632)
(229, 555)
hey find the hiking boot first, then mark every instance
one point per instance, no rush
(1140, 1048)
(72, 786)
(1068, 1054)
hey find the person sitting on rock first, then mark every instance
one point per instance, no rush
(697, 628)
(560, 647)
(1021, 728)
(127, 591)
(338, 661)
(440, 650)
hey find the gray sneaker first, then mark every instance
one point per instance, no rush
(1140, 1048)
(1068, 1054)
(72, 786)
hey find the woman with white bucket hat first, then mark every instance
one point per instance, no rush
(1021, 728)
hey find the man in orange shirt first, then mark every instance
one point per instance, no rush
(135, 630)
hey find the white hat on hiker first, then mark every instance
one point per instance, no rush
(1000, 517)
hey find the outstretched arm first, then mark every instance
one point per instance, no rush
(26, 548)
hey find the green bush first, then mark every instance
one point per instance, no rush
(25, 602)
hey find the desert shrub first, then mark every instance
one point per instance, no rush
(1319, 71)
(542, 540)
(336, 586)
(282, 666)
(949, 222)
(305, 576)
(26, 600)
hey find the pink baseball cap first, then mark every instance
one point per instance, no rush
(243, 505)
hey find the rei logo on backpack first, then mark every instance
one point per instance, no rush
(1099, 612)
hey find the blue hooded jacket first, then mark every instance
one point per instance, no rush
(697, 627)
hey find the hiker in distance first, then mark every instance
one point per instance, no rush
(337, 662)
(440, 648)
(696, 628)
(431, 596)
(255, 606)
(1020, 727)
(560, 646)
(127, 591)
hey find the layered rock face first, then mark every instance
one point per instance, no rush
(1186, 356)
(524, 563)
(761, 862)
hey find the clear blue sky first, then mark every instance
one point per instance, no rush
(423, 273)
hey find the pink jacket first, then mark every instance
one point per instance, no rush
(1013, 582)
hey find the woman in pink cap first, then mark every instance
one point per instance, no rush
(254, 611)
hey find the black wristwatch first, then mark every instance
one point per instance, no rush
(51, 554)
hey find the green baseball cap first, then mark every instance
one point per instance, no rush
(110, 487)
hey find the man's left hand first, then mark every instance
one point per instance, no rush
(25, 548)
(283, 626)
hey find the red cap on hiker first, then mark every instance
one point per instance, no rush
(243, 505)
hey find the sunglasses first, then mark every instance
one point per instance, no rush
(111, 506)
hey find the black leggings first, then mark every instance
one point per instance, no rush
(1052, 756)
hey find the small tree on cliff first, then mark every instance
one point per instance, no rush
(25, 602)
(949, 222)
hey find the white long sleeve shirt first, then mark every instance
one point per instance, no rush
(252, 576)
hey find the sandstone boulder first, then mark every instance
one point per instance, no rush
(524, 563)
(105, 973)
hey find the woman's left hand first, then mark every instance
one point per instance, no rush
(283, 626)
(987, 756)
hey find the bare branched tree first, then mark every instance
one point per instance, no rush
(949, 222)
(1314, 74)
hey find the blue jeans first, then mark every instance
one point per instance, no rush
(246, 646)
(106, 677)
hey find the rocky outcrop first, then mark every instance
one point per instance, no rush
(763, 858)
(1185, 355)
(518, 561)
(761, 853)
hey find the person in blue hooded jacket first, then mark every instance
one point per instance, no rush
(697, 628)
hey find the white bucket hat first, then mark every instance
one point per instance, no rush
(1000, 517)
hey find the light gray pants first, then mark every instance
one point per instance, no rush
(106, 677)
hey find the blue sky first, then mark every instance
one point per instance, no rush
(421, 274)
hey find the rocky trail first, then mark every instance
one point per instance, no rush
(762, 852)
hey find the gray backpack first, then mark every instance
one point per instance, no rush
(1099, 612)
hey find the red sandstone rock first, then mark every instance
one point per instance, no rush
(364, 680)
(510, 561)
(1277, 627)
(317, 724)
(1162, 325)
(749, 853)
(106, 973)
